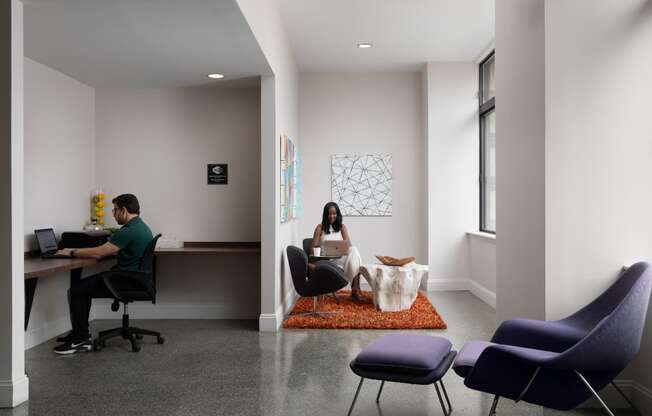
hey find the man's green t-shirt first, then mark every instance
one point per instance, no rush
(131, 239)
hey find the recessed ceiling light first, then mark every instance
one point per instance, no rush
(215, 76)
(365, 45)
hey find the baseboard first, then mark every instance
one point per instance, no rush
(14, 392)
(36, 336)
(642, 398)
(271, 322)
(142, 310)
(432, 284)
(446, 285)
(640, 395)
(481, 292)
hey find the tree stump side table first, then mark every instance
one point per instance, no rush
(394, 287)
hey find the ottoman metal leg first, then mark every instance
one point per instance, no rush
(356, 396)
(380, 391)
(441, 402)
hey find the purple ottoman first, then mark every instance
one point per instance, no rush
(405, 358)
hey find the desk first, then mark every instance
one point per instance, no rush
(36, 267)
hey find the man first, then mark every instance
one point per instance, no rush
(129, 243)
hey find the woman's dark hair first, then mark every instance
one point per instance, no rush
(128, 201)
(325, 224)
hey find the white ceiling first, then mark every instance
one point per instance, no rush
(142, 43)
(405, 33)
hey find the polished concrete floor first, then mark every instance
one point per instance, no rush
(211, 367)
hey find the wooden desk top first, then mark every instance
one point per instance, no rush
(38, 267)
(198, 248)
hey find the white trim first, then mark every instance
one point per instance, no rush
(144, 310)
(483, 235)
(271, 322)
(51, 329)
(445, 285)
(485, 52)
(14, 392)
(642, 398)
(484, 294)
(442, 285)
(640, 395)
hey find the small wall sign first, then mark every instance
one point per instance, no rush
(218, 174)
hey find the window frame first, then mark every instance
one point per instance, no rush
(483, 111)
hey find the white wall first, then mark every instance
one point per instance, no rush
(598, 154)
(156, 143)
(520, 158)
(279, 115)
(59, 176)
(482, 252)
(452, 172)
(14, 385)
(365, 114)
(576, 141)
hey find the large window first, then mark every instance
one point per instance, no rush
(487, 101)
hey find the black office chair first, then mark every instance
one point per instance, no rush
(325, 278)
(126, 287)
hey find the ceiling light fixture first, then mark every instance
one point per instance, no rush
(215, 76)
(365, 45)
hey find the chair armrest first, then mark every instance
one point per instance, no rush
(541, 335)
(506, 370)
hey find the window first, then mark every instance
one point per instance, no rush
(487, 101)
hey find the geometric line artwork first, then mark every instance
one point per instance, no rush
(362, 184)
(290, 185)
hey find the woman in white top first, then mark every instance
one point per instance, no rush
(331, 228)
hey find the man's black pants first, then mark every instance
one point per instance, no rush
(81, 294)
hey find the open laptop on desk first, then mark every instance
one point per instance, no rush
(47, 243)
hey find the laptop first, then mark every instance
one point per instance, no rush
(335, 248)
(47, 243)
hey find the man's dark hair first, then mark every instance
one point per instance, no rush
(128, 201)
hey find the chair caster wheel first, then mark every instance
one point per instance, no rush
(160, 340)
(139, 336)
(135, 348)
(97, 346)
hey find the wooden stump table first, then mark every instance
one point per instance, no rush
(394, 287)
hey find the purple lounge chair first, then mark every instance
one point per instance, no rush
(561, 364)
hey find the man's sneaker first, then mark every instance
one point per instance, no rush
(68, 337)
(75, 345)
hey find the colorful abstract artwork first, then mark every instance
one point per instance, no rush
(289, 180)
(362, 184)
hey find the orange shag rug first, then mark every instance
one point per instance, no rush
(363, 315)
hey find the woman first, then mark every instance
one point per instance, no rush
(331, 228)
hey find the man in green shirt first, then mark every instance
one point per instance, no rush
(129, 244)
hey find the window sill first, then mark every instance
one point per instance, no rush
(482, 235)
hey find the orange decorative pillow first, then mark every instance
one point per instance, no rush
(391, 261)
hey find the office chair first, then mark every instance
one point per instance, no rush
(126, 287)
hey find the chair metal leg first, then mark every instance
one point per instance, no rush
(586, 383)
(625, 397)
(314, 311)
(380, 390)
(356, 396)
(336, 298)
(492, 412)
